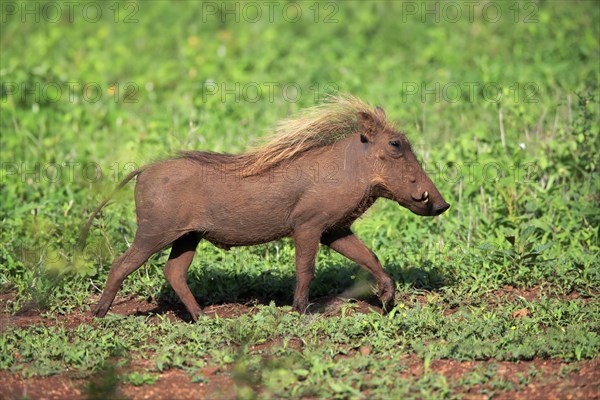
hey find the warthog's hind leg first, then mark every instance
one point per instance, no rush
(176, 270)
(122, 267)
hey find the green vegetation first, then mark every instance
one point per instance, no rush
(309, 367)
(504, 116)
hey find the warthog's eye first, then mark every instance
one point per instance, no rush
(396, 144)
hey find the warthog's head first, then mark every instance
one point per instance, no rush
(396, 173)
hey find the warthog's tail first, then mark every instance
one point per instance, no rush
(86, 228)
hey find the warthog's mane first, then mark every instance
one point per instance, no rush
(314, 127)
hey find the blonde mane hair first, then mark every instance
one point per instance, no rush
(314, 127)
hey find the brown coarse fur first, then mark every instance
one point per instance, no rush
(311, 180)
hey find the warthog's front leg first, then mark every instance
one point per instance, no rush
(348, 245)
(307, 245)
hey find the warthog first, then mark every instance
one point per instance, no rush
(318, 173)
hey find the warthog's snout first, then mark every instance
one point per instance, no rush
(439, 208)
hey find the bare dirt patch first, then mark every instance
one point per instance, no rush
(172, 384)
(511, 293)
(51, 387)
(176, 384)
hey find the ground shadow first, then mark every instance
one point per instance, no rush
(213, 287)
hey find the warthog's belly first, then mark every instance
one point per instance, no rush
(226, 240)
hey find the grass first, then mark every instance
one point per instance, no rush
(503, 115)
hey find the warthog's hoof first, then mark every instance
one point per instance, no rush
(387, 291)
(197, 314)
(100, 310)
(300, 306)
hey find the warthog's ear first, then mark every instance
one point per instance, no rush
(380, 112)
(367, 126)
